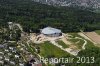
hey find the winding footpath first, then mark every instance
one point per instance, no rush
(69, 50)
(85, 42)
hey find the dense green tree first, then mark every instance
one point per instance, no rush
(34, 16)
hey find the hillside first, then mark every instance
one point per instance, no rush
(84, 3)
(34, 16)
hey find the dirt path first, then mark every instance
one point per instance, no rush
(73, 50)
(66, 41)
(69, 50)
(86, 37)
(85, 42)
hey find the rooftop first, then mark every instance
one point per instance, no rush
(50, 30)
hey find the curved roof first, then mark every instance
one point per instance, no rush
(50, 30)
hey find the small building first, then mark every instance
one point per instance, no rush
(51, 32)
(6, 50)
(10, 25)
(2, 53)
(21, 64)
(9, 54)
(12, 62)
(16, 56)
(11, 48)
(1, 57)
(1, 46)
(7, 59)
(1, 62)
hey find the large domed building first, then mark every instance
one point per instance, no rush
(51, 32)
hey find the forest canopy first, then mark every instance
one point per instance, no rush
(34, 16)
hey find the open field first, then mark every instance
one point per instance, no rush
(57, 47)
(98, 32)
(49, 50)
(93, 36)
(62, 44)
(70, 43)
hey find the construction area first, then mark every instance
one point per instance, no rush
(66, 39)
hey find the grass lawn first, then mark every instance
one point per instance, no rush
(77, 42)
(62, 44)
(98, 32)
(74, 35)
(49, 50)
